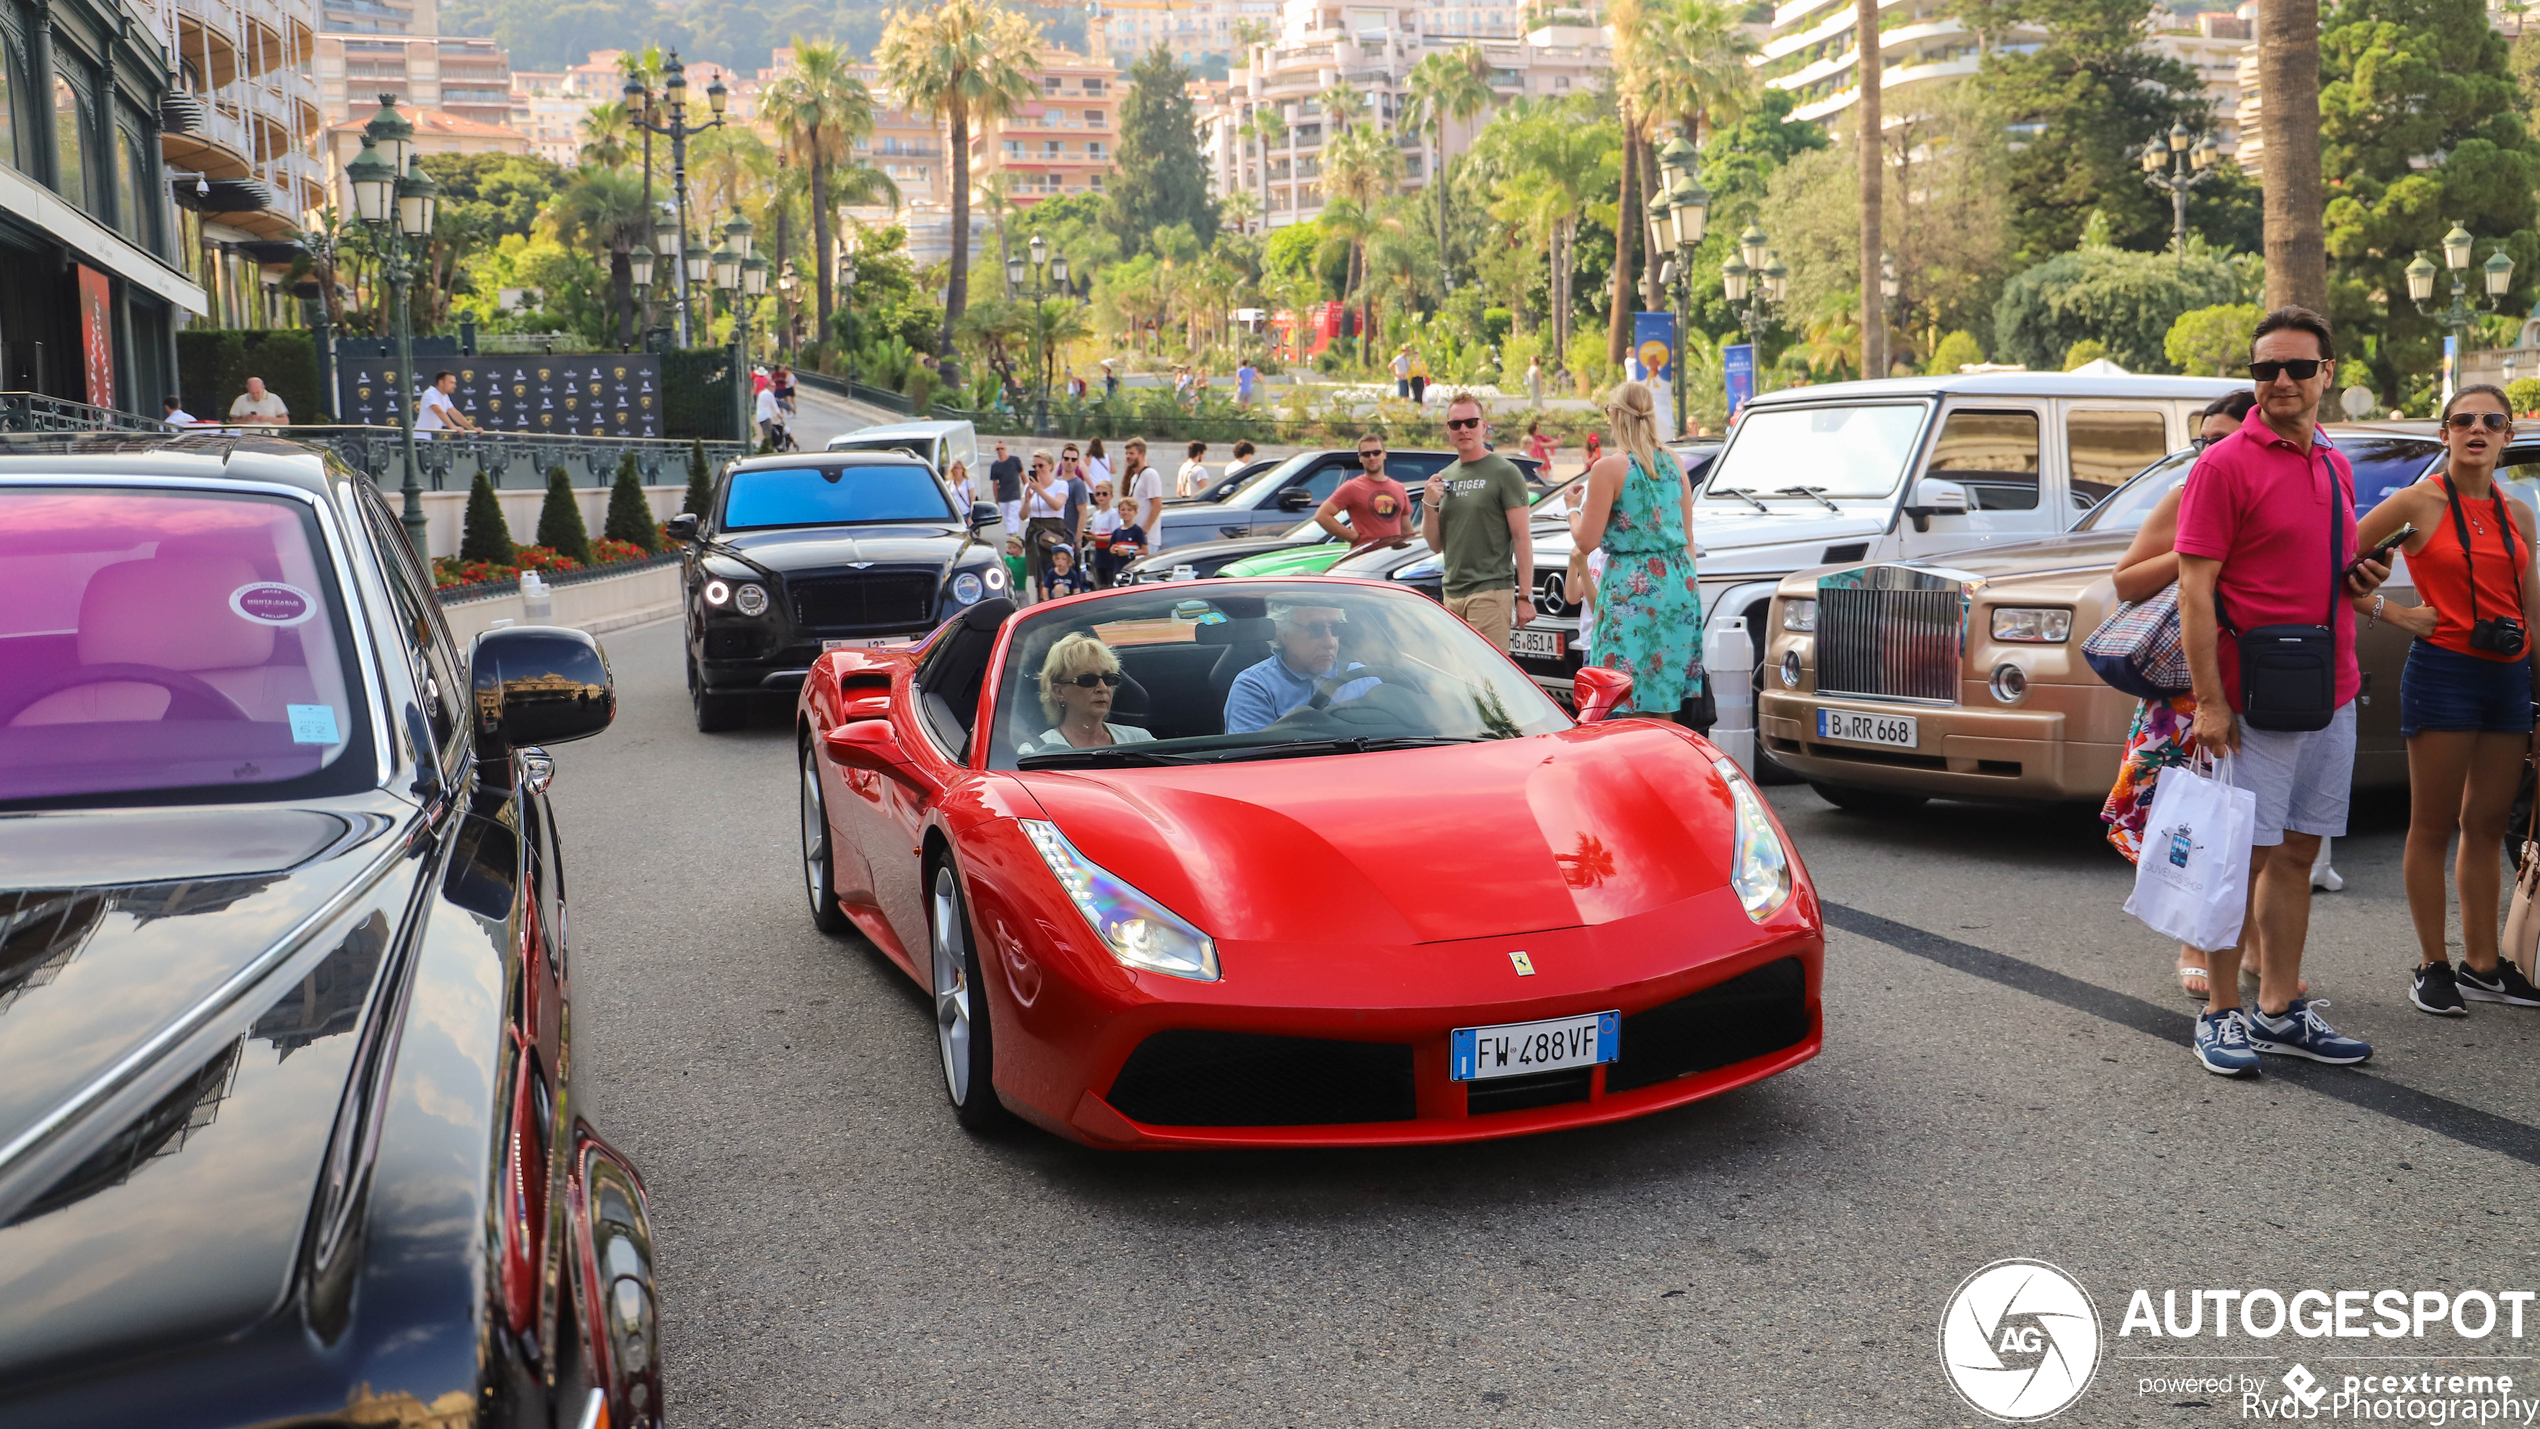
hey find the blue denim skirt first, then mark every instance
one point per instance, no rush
(2445, 690)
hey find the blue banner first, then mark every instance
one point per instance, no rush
(1654, 344)
(1737, 359)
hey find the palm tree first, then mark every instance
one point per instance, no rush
(731, 164)
(1359, 167)
(964, 60)
(1684, 62)
(1447, 88)
(2289, 136)
(1264, 127)
(1240, 208)
(1558, 162)
(996, 195)
(820, 110)
(605, 210)
(604, 134)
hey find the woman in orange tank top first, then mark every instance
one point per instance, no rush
(2465, 698)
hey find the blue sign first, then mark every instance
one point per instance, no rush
(1654, 343)
(1737, 359)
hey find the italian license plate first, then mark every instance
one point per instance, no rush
(1518, 1049)
(871, 643)
(1539, 644)
(1851, 726)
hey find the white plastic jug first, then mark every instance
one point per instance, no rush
(1728, 664)
(537, 600)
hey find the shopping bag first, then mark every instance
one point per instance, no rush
(2192, 881)
(2522, 921)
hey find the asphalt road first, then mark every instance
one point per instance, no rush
(2005, 1075)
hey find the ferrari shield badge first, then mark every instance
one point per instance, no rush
(1522, 961)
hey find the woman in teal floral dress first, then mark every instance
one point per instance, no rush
(1648, 607)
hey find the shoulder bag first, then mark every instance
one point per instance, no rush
(2288, 673)
(2138, 649)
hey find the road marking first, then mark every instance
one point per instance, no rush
(2351, 1085)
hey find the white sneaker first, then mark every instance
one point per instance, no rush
(2323, 877)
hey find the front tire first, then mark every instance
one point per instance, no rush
(820, 881)
(715, 713)
(1869, 801)
(962, 1034)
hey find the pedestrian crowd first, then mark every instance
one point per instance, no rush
(2272, 573)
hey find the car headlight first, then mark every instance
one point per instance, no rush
(2032, 624)
(967, 588)
(1790, 669)
(996, 577)
(1140, 932)
(2009, 683)
(750, 599)
(1759, 867)
(1800, 615)
(717, 593)
(1423, 569)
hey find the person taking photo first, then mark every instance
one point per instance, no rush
(2465, 695)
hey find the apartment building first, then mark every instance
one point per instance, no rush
(379, 17)
(471, 79)
(1064, 141)
(2215, 45)
(548, 114)
(1321, 46)
(239, 136)
(1812, 52)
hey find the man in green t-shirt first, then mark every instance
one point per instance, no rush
(1477, 517)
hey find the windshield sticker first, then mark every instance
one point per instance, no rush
(272, 603)
(313, 724)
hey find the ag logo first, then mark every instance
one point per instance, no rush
(2019, 1340)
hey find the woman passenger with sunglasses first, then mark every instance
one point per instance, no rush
(2465, 696)
(1077, 683)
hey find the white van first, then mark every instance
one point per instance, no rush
(939, 444)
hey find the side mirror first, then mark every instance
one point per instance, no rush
(1934, 496)
(537, 684)
(682, 527)
(867, 744)
(983, 514)
(1296, 498)
(1597, 692)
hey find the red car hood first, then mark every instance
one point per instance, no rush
(1562, 830)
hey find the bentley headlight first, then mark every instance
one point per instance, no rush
(967, 588)
(750, 599)
(1140, 932)
(996, 577)
(717, 592)
(1799, 615)
(1759, 867)
(2032, 625)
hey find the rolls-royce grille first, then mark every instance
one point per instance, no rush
(878, 600)
(1898, 644)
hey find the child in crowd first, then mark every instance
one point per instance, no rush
(1100, 528)
(1014, 567)
(1064, 578)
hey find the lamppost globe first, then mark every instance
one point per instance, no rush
(2420, 279)
(2155, 158)
(1776, 280)
(1675, 160)
(389, 130)
(2456, 246)
(1752, 244)
(674, 80)
(639, 264)
(2500, 273)
(374, 184)
(754, 275)
(1017, 272)
(1735, 275)
(1040, 250)
(417, 197)
(700, 265)
(634, 90)
(2181, 136)
(717, 97)
(1058, 270)
(737, 233)
(2206, 152)
(1662, 230)
(727, 268)
(1689, 207)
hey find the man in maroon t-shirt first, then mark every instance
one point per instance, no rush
(1378, 507)
(2266, 536)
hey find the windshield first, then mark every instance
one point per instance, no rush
(833, 496)
(1274, 477)
(155, 641)
(2382, 465)
(1254, 669)
(1840, 451)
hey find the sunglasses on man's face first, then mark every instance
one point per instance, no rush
(2300, 369)
(1377, 455)
(1108, 679)
(1317, 629)
(2492, 421)
(1462, 424)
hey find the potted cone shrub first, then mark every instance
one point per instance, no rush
(560, 527)
(630, 515)
(485, 536)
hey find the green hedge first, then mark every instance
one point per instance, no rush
(212, 368)
(697, 393)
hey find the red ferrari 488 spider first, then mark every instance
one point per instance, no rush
(1297, 862)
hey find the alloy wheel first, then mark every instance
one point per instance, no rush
(952, 987)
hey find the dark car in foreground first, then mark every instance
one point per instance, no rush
(287, 1126)
(821, 551)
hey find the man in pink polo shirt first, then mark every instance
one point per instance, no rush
(2254, 529)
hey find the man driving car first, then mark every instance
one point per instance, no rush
(1308, 649)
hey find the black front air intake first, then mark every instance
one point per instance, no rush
(1748, 1016)
(1185, 1077)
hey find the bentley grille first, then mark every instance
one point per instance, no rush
(878, 600)
(1894, 644)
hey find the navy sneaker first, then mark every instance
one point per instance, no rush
(2222, 1044)
(2502, 983)
(2434, 990)
(2302, 1032)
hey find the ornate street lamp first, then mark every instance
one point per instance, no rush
(1754, 281)
(2175, 163)
(689, 267)
(1040, 278)
(396, 200)
(2463, 314)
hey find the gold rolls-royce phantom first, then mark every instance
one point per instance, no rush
(1962, 677)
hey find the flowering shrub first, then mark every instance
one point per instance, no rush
(608, 551)
(544, 558)
(448, 571)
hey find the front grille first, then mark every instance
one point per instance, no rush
(877, 600)
(1898, 635)
(1748, 1016)
(1570, 1084)
(1186, 1077)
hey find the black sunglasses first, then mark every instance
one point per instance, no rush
(1317, 629)
(2492, 421)
(2300, 369)
(1377, 455)
(1458, 424)
(1109, 679)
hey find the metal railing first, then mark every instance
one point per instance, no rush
(35, 412)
